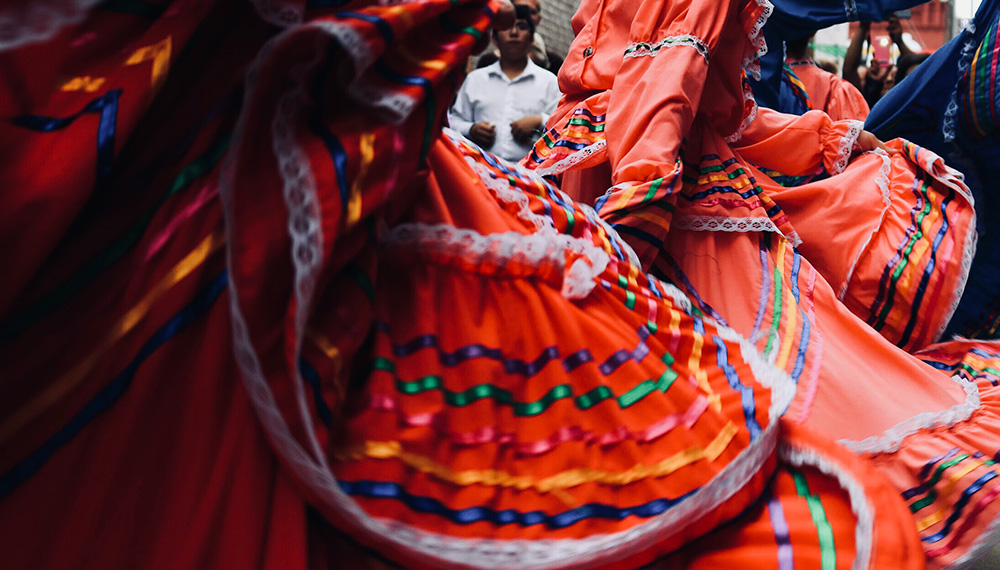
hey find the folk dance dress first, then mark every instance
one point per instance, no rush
(846, 283)
(259, 310)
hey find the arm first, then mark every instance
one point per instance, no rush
(852, 59)
(462, 114)
(817, 140)
(895, 31)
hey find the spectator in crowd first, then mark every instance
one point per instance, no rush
(541, 55)
(878, 78)
(826, 91)
(503, 107)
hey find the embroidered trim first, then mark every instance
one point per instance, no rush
(39, 20)
(883, 184)
(534, 250)
(964, 60)
(730, 224)
(640, 49)
(851, 10)
(751, 63)
(847, 145)
(443, 551)
(573, 159)
(395, 105)
(860, 505)
(892, 438)
(501, 190)
(751, 115)
(936, 167)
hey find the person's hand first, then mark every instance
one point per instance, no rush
(483, 134)
(867, 141)
(524, 128)
(894, 29)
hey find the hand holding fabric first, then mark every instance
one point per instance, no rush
(483, 134)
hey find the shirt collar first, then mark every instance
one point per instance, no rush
(530, 70)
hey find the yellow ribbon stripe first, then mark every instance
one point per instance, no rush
(555, 484)
(65, 384)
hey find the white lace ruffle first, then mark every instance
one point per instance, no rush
(892, 438)
(34, 21)
(640, 49)
(501, 190)
(751, 63)
(964, 60)
(546, 247)
(882, 181)
(847, 147)
(729, 224)
(935, 165)
(749, 118)
(573, 159)
(860, 505)
(309, 466)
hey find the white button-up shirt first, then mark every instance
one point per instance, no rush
(489, 96)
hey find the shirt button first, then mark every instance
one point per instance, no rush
(588, 52)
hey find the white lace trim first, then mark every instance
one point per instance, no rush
(501, 190)
(751, 115)
(882, 181)
(39, 20)
(964, 60)
(936, 167)
(851, 9)
(847, 147)
(778, 380)
(396, 106)
(861, 506)
(544, 247)
(573, 159)
(304, 219)
(751, 63)
(732, 224)
(640, 49)
(279, 13)
(443, 551)
(892, 438)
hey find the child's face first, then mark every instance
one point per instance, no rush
(515, 42)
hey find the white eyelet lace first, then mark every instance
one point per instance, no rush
(847, 147)
(534, 250)
(729, 224)
(751, 64)
(640, 49)
(964, 60)
(892, 438)
(573, 159)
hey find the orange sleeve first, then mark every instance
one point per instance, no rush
(817, 141)
(656, 96)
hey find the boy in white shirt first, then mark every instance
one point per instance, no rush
(503, 107)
